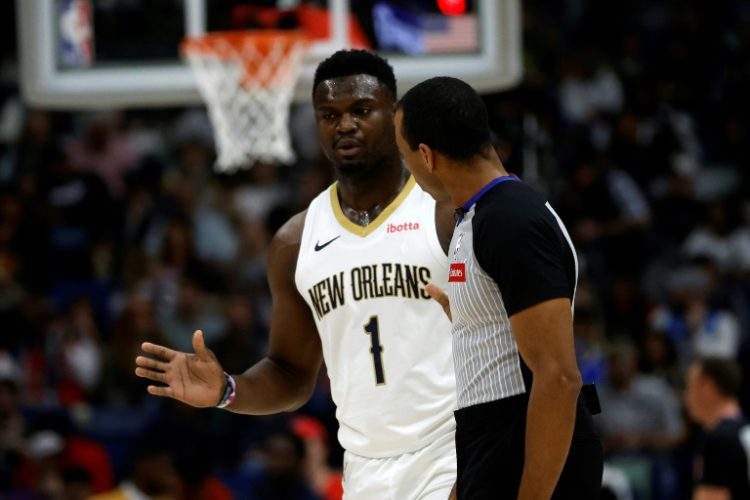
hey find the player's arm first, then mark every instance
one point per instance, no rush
(708, 492)
(285, 378)
(282, 381)
(544, 333)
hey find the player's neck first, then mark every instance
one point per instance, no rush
(362, 199)
(728, 409)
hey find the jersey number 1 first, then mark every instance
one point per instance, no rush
(376, 349)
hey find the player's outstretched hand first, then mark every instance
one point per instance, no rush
(196, 379)
(440, 296)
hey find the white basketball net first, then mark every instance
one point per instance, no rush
(249, 112)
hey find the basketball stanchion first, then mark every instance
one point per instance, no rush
(247, 82)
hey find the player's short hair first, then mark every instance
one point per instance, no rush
(447, 115)
(724, 373)
(356, 62)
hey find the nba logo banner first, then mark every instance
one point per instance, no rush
(457, 272)
(76, 42)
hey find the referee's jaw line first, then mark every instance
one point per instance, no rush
(417, 164)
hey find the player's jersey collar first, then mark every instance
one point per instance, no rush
(378, 221)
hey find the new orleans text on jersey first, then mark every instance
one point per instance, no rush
(369, 282)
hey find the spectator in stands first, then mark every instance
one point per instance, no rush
(669, 107)
(198, 481)
(611, 212)
(105, 150)
(326, 481)
(136, 324)
(76, 484)
(589, 88)
(694, 325)
(610, 216)
(78, 209)
(37, 139)
(640, 422)
(13, 459)
(194, 305)
(55, 449)
(243, 340)
(712, 238)
(73, 348)
(660, 357)
(282, 476)
(643, 413)
(589, 337)
(153, 475)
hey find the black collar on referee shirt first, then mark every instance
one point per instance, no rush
(464, 209)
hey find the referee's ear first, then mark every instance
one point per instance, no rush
(428, 156)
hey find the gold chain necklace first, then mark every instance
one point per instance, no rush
(365, 217)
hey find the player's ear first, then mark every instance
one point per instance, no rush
(427, 156)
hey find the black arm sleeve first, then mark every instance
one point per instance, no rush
(526, 253)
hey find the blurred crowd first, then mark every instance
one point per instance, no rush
(633, 119)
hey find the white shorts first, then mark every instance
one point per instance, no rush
(426, 474)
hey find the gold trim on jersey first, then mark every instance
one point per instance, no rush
(378, 221)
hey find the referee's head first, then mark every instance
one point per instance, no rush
(447, 115)
(443, 134)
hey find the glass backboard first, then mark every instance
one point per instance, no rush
(77, 54)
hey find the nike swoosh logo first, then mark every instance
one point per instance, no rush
(319, 247)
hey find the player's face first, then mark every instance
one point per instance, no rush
(693, 393)
(417, 165)
(355, 121)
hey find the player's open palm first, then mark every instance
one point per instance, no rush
(196, 379)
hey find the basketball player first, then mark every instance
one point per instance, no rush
(513, 275)
(347, 278)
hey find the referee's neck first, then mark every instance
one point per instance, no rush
(465, 179)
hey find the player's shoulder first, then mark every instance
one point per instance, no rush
(284, 250)
(727, 430)
(722, 446)
(289, 234)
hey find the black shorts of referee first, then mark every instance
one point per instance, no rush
(490, 451)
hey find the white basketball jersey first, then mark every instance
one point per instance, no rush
(386, 343)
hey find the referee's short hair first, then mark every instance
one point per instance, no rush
(724, 373)
(447, 115)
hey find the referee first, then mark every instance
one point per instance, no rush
(523, 427)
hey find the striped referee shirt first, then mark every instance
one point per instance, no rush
(509, 251)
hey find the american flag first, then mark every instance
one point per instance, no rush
(445, 34)
(411, 33)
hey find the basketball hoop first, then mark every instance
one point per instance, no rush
(247, 81)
